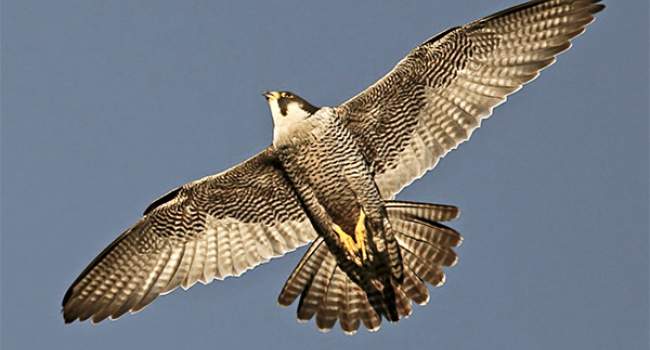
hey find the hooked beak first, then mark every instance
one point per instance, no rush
(271, 95)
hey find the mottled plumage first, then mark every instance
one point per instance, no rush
(330, 293)
(330, 176)
(215, 227)
(438, 94)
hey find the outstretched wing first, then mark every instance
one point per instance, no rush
(215, 227)
(436, 96)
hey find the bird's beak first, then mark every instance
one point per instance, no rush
(271, 95)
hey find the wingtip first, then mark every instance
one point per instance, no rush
(67, 318)
(66, 297)
(598, 8)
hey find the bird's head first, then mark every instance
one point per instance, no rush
(288, 108)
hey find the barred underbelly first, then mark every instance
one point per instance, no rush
(329, 162)
(341, 178)
(340, 203)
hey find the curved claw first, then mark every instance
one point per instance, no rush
(357, 244)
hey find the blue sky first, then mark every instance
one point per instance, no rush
(107, 105)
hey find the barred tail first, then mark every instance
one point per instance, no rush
(327, 292)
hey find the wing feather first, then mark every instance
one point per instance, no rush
(156, 282)
(215, 227)
(438, 94)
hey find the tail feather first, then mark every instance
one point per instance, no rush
(381, 295)
(313, 294)
(394, 256)
(430, 252)
(414, 287)
(328, 293)
(370, 318)
(403, 303)
(303, 275)
(404, 211)
(425, 211)
(429, 231)
(429, 273)
(329, 308)
(350, 307)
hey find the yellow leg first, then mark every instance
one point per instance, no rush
(347, 241)
(360, 234)
(353, 246)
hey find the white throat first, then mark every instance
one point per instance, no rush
(290, 126)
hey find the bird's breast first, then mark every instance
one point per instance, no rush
(332, 166)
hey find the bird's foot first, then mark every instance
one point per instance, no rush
(360, 234)
(355, 245)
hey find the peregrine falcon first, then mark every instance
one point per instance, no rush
(329, 178)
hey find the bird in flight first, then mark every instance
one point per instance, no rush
(330, 177)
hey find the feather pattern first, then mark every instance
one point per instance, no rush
(328, 293)
(435, 97)
(215, 227)
(376, 143)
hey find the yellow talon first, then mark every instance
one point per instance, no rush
(360, 234)
(358, 243)
(347, 241)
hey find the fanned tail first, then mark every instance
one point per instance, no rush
(327, 292)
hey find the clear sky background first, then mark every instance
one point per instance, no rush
(108, 104)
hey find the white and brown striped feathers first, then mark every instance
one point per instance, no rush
(426, 106)
(435, 97)
(328, 293)
(216, 227)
